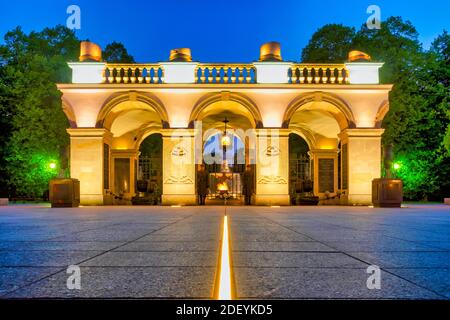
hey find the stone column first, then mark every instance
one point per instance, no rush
(363, 153)
(324, 171)
(87, 162)
(272, 167)
(179, 167)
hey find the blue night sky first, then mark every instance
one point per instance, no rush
(215, 30)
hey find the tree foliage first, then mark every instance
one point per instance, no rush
(330, 43)
(115, 52)
(35, 125)
(419, 101)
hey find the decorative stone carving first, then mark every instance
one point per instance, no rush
(179, 151)
(272, 180)
(179, 180)
(272, 151)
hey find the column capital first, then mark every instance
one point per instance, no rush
(361, 132)
(273, 132)
(177, 132)
(124, 153)
(323, 152)
(89, 132)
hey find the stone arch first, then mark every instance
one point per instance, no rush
(145, 98)
(320, 96)
(70, 114)
(145, 132)
(381, 113)
(305, 135)
(211, 98)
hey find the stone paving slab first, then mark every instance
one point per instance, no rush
(406, 259)
(434, 279)
(285, 252)
(12, 278)
(58, 245)
(300, 283)
(44, 258)
(295, 259)
(155, 259)
(124, 282)
(280, 246)
(170, 246)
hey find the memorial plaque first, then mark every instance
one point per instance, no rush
(326, 175)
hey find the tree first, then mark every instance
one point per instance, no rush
(115, 52)
(331, 43)
(418, 102)
(36, 129)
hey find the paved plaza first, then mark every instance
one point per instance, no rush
(277, 252)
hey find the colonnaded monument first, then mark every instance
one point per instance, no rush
(140, 127)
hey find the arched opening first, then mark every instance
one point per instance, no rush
(320, 121)
(228, 147)
(299, 167)
(149, 171)
(132, 120)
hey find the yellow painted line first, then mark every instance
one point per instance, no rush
(224, 288)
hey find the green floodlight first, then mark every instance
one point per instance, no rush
(397, 166)
(52, 165)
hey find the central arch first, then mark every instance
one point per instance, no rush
(238, 116)
(224, 96)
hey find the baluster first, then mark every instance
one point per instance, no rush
(202, 74)
(345, 71)
(225, 74)
(234, 74)
(301, 75)
(110, 75)
(332, 75)
(316, 75)
(210, 74)
(118, 75)
(133, 75)
(240, 74)
(161, 78)
(295, 74)
(139, 74)
(340, 75)
(152, 75)
(147, 76)
(324, 75)
(248, 75)
(215, 74)
(308, 75)
(125, 77)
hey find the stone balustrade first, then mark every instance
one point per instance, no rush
(214, 73)
(225, 73)
(133, 73)
(318, 74)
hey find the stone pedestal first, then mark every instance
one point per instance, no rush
(64, 193)
(387, 193)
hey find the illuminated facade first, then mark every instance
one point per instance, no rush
(336, 108)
